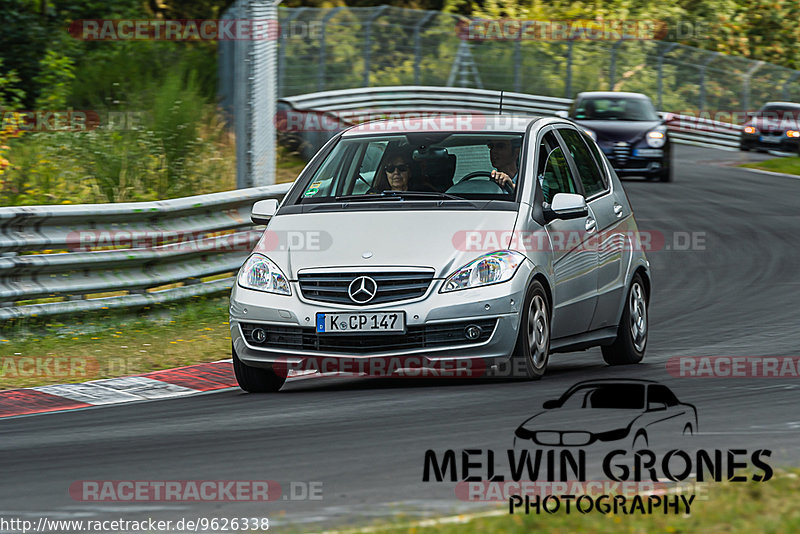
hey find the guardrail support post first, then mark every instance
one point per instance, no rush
(517, 61)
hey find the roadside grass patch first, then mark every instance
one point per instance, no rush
(787, 165)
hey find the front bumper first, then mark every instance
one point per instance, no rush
(780, 143)
(637, 161)
(498, 304)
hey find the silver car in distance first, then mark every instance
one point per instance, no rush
(470, 243)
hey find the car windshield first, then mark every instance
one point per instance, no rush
(779, 112)
(426, 167)
(615, 109)
(616, 396)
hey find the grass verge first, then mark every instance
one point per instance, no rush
(788, 165)
(35, 352)
(768, 507)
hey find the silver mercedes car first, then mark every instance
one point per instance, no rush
(474, 245)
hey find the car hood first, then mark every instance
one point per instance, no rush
(628, 131)
(580, 419)
(406, 238)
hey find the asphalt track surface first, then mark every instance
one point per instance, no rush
(365, 439)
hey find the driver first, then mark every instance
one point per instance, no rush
(504, 154)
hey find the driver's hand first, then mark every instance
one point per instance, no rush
(502, 178)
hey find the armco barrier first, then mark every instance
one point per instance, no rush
(347, 103)
(62, 259)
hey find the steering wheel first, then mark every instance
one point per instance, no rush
(506, 188)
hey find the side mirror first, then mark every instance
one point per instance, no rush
(549, 405)
(656, 406)
(562, 113)
(263, 211)
(567, 206)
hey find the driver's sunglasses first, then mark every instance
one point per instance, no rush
(391, 168)
(492, 146)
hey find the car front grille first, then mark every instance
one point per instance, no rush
(391, 286)
(622, 151)
(416, 337)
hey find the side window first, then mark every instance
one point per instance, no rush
(591, 177)
(659, 393)
(553, 172)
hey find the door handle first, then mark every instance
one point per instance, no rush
(591, 224)
(617, 209)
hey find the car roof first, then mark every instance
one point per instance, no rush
(464, 123)
(789, 104)
(612, 94)
(607, 381)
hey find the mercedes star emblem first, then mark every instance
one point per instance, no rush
(362, 289)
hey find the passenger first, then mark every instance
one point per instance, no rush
(504, 154)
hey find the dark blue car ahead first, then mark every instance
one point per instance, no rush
(629, 131)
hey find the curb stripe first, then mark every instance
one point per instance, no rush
(179, 382)
(30, 401)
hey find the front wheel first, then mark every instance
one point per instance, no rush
(255, 379)
(533, 340)
(631, 341)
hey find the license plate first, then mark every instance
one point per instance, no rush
(332, 323)
(770, 139)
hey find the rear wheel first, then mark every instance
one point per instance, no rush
(631, 341)
(666, 174)
(533, 340)
(255, 379)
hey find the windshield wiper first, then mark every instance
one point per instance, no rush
(370, 196)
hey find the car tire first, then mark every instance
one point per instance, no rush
(744, 148)
(255, 379)
(666, 175)
(631, 341)
(532, 350)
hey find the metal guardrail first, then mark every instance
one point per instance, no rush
(63, 259)
(350, 105)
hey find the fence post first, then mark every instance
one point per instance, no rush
(746, 77)
(282, 52)
(785, 90)
(612, 72)
(418, 44)
(321, 61)
(702, 67)
(568, 84)
(368, 42)
(661, 55)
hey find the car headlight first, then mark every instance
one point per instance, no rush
(792, 133)
(749, 130)
(590, 133)
(261, 273)
(656, 138)
(492, 268)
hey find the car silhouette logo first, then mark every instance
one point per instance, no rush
(362, 289)
(609, 410)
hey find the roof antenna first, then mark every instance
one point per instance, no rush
(501, 103)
